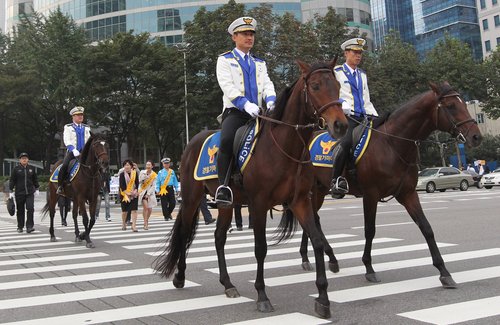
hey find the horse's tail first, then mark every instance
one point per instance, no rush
(286, 228)
(46, 207)
(176, 242)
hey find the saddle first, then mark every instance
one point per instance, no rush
(73, 168)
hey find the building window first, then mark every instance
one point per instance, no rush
(483, 4)
(480, 118)
(498, 41)
(485, 24)
(487, 45)
(169, 19)
(494, 2)
(497, 20)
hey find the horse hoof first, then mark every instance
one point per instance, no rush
(90, 245)
(53, 239)
(448, 282)
(322, 310)
(334, 267)
(179, 284)
(306, 266)
(82, 236)
(265, 306)
(78, 239)
(372, 277)
(232, 293)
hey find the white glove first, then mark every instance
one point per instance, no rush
(75, 152)
(251, 109)
(37, 192)
(11, 195)
(270, 105)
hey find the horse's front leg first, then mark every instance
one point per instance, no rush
(90, 223)
(370, 213)
(259, 231)
(52, 201)
(303, 211)
(223, 223)
(76, 207)
(412, 204)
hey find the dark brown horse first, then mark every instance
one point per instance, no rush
(84, 188)
(389, 168)
(279, 171)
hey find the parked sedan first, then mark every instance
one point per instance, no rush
(443, 178)
(491, 179)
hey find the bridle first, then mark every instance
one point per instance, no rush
(320, 121)
(454, 125)
(97, 156)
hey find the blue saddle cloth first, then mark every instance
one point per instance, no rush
(321, 148)
(206, 165)
(72, 172)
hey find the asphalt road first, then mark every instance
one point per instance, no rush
(65, 283)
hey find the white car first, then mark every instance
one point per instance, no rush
(491, 179)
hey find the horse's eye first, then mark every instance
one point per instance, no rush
(315, 86)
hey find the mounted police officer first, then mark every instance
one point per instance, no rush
(75, 135)
(356, 105)
(246, 86)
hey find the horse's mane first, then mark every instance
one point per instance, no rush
(88, 145)
(442, 88)
(283, 97)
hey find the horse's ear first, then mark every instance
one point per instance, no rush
(333, 63)
(434, 87)
(304, 67)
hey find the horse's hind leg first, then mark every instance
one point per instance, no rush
(223, 223)
(89, 223)
(333, 264)
(75, 221)
(370, 213)
(306, 265)
(412, 205)
(52, 201)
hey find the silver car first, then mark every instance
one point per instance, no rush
(443, 178)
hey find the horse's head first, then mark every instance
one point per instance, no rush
(452, 116)
(322, 92)
(99, 148)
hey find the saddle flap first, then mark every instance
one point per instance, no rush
(73, 167)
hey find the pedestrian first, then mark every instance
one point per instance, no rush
(207, 216)
(129, 182)
(356, 105)
(246, 86)
(104, 193)
(75, 135)
(147, 194)
(64, 204)
(481, 170)
(166, 185)
(23, 185)
(237, 217)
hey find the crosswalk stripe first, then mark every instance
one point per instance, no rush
(89, 294)
(398, 287)
(287, 319)
(63, 267)
(211, 248)
(282, 280)
(44, 251)
(395, 211)
(387, 225)
(457, 313)
(20, 236)
(75, 278)
(278, 251)
(51, 258)
(47, 243)
(135, 312)
(197, 240)
(24, 240)
(387, 266)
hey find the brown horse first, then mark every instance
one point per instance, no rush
(84, 188)
(389, 168)
(279, 171)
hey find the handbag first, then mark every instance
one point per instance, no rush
(11, 206)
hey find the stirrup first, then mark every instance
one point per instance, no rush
(224, 196)
(337, 186)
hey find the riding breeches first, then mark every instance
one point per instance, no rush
(232, 120)
(345, 147)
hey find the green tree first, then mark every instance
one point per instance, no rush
(451, 60)
(489, 149)
(492, 74)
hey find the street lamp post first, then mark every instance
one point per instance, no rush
(184, 48)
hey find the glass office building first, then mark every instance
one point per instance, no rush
(165, 18)
(424, 22)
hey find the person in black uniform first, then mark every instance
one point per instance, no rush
(24, 186)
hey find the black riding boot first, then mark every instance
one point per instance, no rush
(224, 195)
(339, 186)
